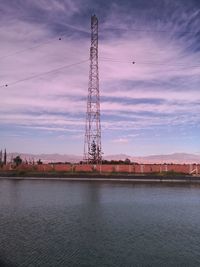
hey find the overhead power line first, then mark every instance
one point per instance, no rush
(63, 34)
(33, 47)
(44, 73)
(26, 49)
(147, 63)
(144, 30)
(170, 65)
(84, 61)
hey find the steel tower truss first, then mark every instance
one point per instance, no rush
(92, 145)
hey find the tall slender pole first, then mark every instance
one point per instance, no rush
(92, 145)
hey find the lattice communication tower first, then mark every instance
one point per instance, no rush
(92, 145)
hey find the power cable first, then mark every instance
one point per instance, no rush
(33, 47)
(146, 63)
(44, 73)
(143, 30)
(101, 58)
(24, 50)
(63, 33)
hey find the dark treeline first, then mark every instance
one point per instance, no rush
(114, 162)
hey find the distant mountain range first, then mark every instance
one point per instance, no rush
(46, 158)
(170, 158)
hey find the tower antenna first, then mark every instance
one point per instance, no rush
(92, 144)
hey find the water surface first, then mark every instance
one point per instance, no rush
(60, 223)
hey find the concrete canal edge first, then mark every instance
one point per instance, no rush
(136, 179)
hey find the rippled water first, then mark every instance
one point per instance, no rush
(59, 223)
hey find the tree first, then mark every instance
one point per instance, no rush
(127, 161)
(5, 157)
(93, 153)
(17, 160)
(1, 158)
(39, 162)
(99, 154)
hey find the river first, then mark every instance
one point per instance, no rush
(62, 223)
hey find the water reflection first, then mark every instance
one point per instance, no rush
(59, 223)
(93, 193)
(14, 193)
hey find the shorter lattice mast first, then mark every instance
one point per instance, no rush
(92, 145)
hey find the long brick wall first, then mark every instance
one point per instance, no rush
(135, 168)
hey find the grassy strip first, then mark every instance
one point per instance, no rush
(56, 174)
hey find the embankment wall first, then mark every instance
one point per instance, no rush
(109, 168)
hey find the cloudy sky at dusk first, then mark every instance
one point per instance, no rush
(151, 107)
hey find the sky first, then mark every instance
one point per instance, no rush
(150, 107)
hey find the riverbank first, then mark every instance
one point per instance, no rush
(122, 177)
